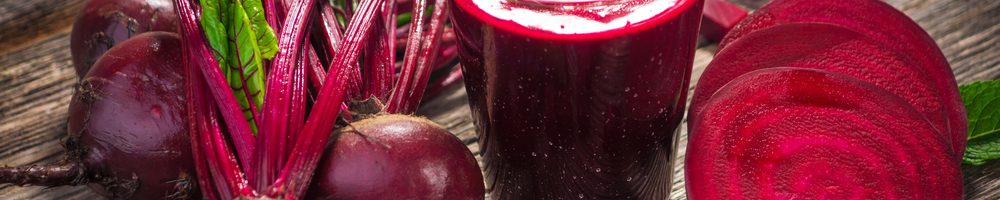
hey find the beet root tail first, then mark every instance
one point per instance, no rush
(56, 174)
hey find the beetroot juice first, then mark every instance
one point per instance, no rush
(577, 99)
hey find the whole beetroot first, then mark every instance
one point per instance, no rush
(397, 157)
(104, 23)
(128, 136)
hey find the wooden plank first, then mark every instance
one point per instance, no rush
(37, 83)
(23, 23)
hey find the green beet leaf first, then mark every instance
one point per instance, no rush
(246, 77)
(267, 42)
(230, 31)
(215, 29)
(982, 102)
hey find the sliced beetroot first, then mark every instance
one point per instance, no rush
(788, 133)
(104, 23)
(397, 157)
(880, 22)
(825, 47)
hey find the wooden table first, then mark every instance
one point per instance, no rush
(36, 80)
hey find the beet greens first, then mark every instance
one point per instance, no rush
(356, 41)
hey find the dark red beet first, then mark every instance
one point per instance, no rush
(397, 157)
(788, 133)
(719, 17)
(880, 22)
(127, 128)
(105, 23)
(826, 47)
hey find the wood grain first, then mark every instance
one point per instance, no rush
(36, 80)
(24, 23)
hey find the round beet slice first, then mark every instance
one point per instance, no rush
(826, 47)
(790, 133)
(880, 22)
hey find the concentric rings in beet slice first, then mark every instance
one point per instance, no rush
(882, 23)
(826, 47)
(791, 133)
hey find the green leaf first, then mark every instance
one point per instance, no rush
(215, 30)
(982, 103)
(267, 42)
(403, 19)
(245, 77)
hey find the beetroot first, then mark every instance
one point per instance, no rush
(127, 126)
(882, 23)
(786, 133)
(104, 23)
(719, 17)
(827, 47)
(397, 157)
(279, 162)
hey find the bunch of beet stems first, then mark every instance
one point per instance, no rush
(278, 162)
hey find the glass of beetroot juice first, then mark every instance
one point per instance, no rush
(577, 98)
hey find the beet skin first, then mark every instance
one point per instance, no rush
(104, 23)
(127, 121)
(397, 157)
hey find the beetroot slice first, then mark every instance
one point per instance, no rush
(825, 47)
(790, 133)
(880, 22)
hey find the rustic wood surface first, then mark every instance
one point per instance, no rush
(36, 80)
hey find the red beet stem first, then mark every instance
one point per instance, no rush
(381, 56)
(331, 28)
(719, 17)
(224, 161)
(447, 38)
(67, 173)
(317, 75)
(272, 15)
(200, 56)
(421, 52)
(437, 87)
(277, 104)
(220, 162)
(194, 104)
(297, 174)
